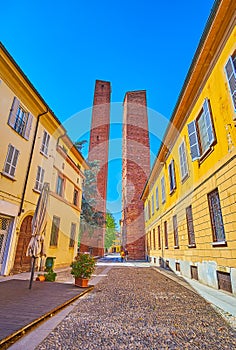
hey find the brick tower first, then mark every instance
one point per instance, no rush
(135, 172)
(98, 150)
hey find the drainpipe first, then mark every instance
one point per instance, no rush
(30, 161)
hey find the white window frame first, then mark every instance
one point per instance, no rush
(171, 170)
(183, 161)
(11, 161)
(196, 136)
(230, 71)
(45, 143)
(39, 179)
(163, 190)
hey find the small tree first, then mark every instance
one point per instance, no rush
(90, 218)
(111, 229)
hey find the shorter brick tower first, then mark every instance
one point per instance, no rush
(135, 172)
(98, 150)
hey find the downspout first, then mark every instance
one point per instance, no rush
(30, 161)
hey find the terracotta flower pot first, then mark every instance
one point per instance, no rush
(81, 282)
(40, 278)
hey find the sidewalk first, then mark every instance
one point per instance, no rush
(225, 302)
(22, 308)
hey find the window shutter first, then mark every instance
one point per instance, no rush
(157, 198)
(208, 121)
(14, 162)
(163, 190)
(183, 160)
(193, 140)
(28, 126)
(42, 177)
(13, 111)
(172, 175)
(231, 77)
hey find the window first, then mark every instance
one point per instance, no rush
(39, 179)
(19, 119)
(152, 204)
(11, 161)
(45, 143)
(159, 236)
(75, 197)
(157, 198)
(191, 235)
(149, 210)
(72, 235)
(201, 133)
(60, 185)
(171, 169)
(183, 161)
(175, 229)
(163, 190)
(154, 239)
(216, 216)
(146, 213)
(54, 231)
(166, 234)
(230, 70)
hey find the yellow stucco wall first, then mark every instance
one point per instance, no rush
(71, 164)
(216, 170)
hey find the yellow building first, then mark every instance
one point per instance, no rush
(34, 149)
(190, 197)
(116, 244)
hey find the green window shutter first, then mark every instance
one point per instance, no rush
(208, 121)
(193, 140)
(13, 111)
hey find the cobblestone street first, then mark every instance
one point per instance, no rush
(139, 308)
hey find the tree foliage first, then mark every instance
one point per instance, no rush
(80, 144)
(90, 218)
(111, 229)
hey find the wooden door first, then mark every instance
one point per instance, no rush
(22, 262)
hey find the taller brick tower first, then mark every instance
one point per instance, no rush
(98, 150)
(135, 172)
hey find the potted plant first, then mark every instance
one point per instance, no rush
(50, 276)
(82, 268)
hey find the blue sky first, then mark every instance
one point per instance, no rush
(64, 46)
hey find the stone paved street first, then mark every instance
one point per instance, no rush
(139, 308)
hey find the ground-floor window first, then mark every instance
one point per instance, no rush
(54, 231)
(166, 234)
(175, 228)
(159, 236)
(191, 234)
(72, 235)
(216, 216)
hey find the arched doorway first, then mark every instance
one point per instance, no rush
(22, 262)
